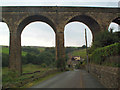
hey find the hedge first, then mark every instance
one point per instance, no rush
(100, 54)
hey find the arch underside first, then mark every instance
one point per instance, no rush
(1, 20)
(90, 22)
(34, 18)
(117, 20)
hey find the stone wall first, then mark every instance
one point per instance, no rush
(108, 76)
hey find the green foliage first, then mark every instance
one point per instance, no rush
(103, 39)
(32, 50)
(99, 55)
(5, 49)
(70, 49)
(5, 61)
(47, 57)
(12, 80)
(61, 64)
(27, 68)
(83, 46)
(10, 76)
(81, 53)
(43, 65)
(77, 66)
(31, 54)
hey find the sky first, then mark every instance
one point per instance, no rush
(105, 3)
(41, 34)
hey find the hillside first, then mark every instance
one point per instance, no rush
(5, 49)
(32, 54)
(80, 52)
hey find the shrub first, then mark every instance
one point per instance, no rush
(61, 64)
(99, 55)
(5, 60)
(104, 39)
(43, 65)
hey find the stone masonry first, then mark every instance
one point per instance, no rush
(18, 17)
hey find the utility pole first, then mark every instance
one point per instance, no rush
(86, 51)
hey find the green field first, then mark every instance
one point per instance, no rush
(30, 70)
(5, 50)
(26, 68)
(81, 53)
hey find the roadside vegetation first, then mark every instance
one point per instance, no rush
(108, 55)
(106, 49)
(30, 76)
(37, 63)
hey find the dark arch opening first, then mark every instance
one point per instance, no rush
(89, 21)
(117, 20)
(2, 20)
(30, 19)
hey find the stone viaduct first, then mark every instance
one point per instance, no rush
(17, 17)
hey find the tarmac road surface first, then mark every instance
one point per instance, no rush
(71, 79)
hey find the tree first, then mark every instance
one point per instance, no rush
(5, 60)
(103, 39)
(83, 46)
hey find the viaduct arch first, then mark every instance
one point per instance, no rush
(17, 17)
(117, 20)
(87, 20)
(33, 18)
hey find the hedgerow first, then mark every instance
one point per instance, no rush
(100, 55)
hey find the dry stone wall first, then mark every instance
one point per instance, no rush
(108, 76)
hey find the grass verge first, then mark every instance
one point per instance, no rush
(30, 84)
(31, 75)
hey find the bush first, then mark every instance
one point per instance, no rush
(5, 60)
(43, 65)
(104, 39)
(99, 55)
(61, 64)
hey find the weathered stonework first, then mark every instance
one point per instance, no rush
(108, 76)
(17, 17)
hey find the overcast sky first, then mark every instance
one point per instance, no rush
(41, 34)
(105, 3)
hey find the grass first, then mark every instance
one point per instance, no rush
(81, 53)
(9, 79)
(5, 50)
(31, 68)
(41, 49)
(30, 84)
(26, 68)
(4, 70)
(24, 53)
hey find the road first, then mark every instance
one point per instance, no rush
(71, 79)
